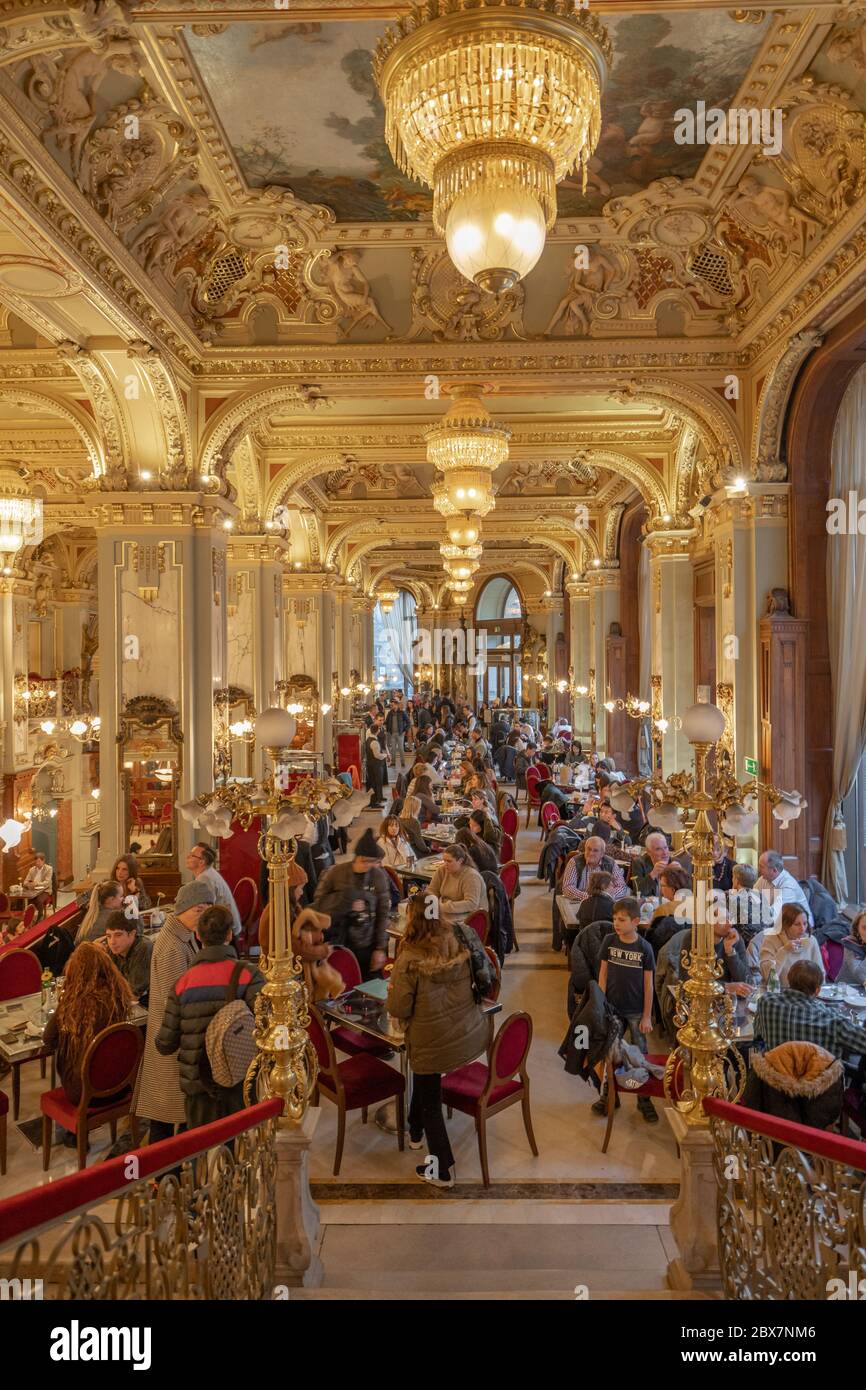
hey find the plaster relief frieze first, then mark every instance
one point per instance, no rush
(125, 176)
(66, 90)
(766, 450)
(823, 156)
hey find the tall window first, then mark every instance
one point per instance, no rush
(393, 639)
(499, 615)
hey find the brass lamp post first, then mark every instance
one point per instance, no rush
(705, 1012)
(285, 1064)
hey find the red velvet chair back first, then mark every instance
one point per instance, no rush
(166, 813)
(246, 896)
(509, 821)
(111, 1061)
(506, 849)
(543, 771)
(510, 875)
(549, 815)
(532, 779)
(29, 915)
(479, 922)
(345, 962)
(510, 1048)
(20, 973)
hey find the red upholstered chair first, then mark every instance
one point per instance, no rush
(344, 1037)
(509, 822)
(480, 1090)
(480, 922)
(543, 771)
(496, 988)
(108, 1075)
(166, 813)
(654, 1088)
(4, 1111)
(355, 1084)
(246, 896)
(20, 973)
(549, 816)
(29, 915)
(533, 800)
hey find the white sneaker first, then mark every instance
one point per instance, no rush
(422, 1172)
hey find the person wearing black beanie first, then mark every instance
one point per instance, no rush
(356, 895)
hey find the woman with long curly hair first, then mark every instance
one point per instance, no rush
(94, 997)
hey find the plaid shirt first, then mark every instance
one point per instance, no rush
(577, 892)
(790, 1016)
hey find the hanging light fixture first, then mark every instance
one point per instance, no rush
(386, 598)
(491, 105)
(466, 447)
(462, 530)
(460, 562)
(20, 514)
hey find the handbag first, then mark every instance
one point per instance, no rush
(480, 967)
(229, 1041)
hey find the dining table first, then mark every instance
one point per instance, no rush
(365, 1009)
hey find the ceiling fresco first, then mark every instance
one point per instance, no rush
(300, 108)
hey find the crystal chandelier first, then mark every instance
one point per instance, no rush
(20, 514)
(460, 562)
(386, 599)
(466, 447)
(491, 105)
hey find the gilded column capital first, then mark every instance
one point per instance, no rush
(603, 577)
(577, 588)
(667, 544)
(244, 549)
(166, 511)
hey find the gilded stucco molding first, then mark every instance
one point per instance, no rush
(240, 415)
(95, 380)
(39, 402)
(172, 413)
(768, 465)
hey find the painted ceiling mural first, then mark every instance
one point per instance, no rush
(301, 111)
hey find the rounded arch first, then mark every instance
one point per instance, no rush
(240, 414)
(699, 406)
(35, 402)
(500, 588)
(648, 482)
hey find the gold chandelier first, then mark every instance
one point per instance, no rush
(466, 447)
(386, 599)
(491, 105)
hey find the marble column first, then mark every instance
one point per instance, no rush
(162, 614)
(604, 585)
(750, 542)
(555, 627)
(75, 609)
(256, 648)
(310, 643)
(673, 654)
(361, 636)
(579, 656)
(15, 598)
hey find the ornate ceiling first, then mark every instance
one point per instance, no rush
(209, 265)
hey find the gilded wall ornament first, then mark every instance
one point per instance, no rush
(448, 308)
(125, 176)
(343, 277)
(586, 294)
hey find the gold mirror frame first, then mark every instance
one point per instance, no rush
(144, 720)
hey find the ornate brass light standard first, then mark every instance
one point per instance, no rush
(285, 1064)
(705, 1012)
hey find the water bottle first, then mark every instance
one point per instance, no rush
(773, 981)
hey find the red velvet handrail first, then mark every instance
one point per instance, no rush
(851, 1152)
(38, 929)
(43, 1206)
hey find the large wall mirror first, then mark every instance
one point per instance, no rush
(150, 743)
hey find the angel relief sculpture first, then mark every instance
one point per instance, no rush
(351, 290)
(179, 224)
(772, 213)
(574, 311)
(65, 89)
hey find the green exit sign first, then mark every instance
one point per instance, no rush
(751, 766)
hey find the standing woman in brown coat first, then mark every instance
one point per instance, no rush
(431, 993)
(158, 1096)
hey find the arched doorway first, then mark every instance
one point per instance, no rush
(393, 643)
(499, 615)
